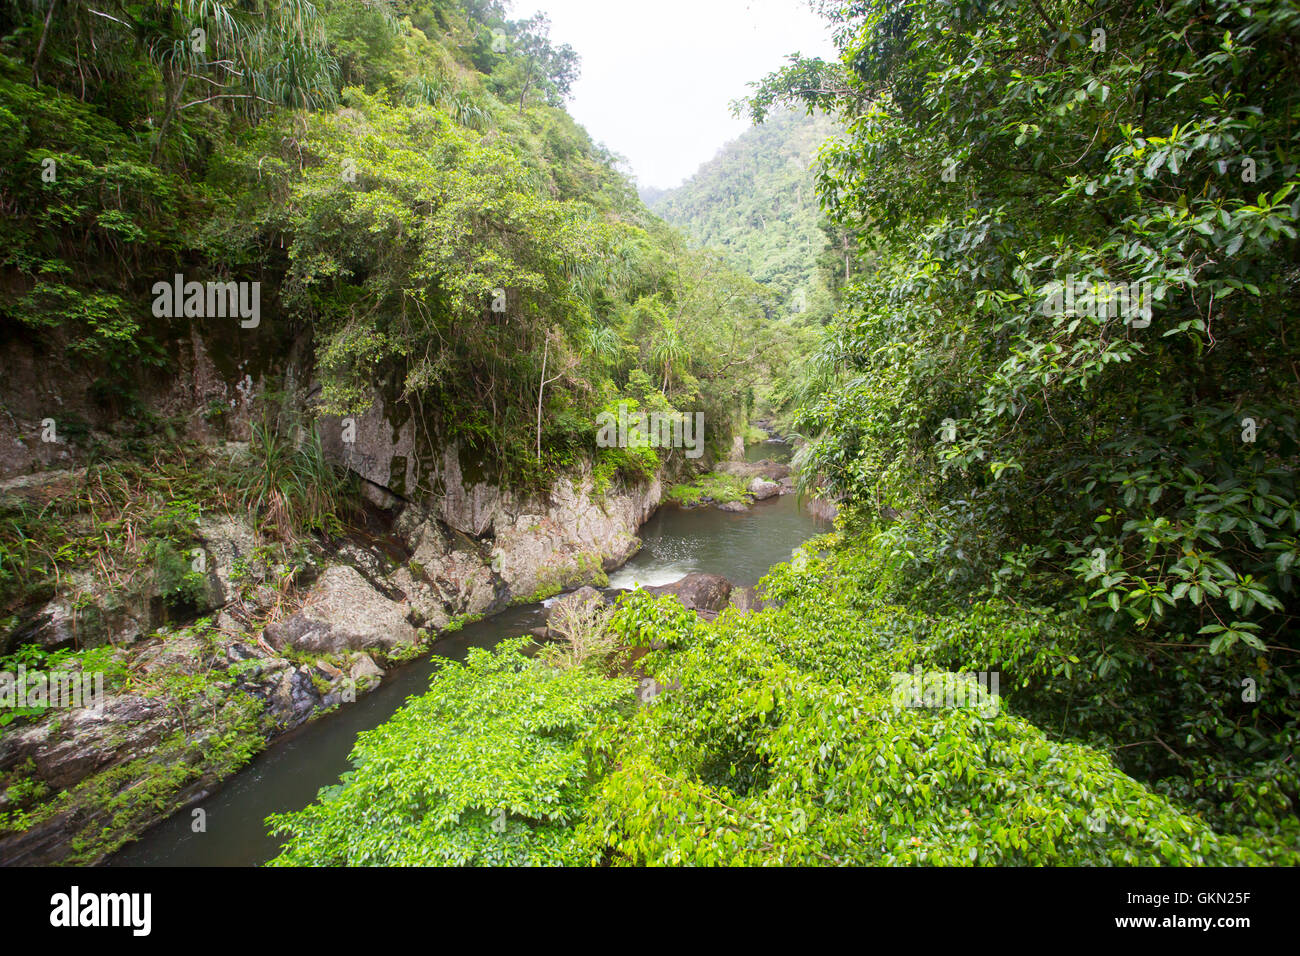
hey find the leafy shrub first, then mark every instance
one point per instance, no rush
(485, 769)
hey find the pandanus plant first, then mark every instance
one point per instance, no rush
(670, 351)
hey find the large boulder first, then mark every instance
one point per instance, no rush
(87, 739)
(365, 673)
(584, 603)
(698, 592)
(343, 612)
(575, 599)
(762, 489)
(771, 470)
(228, 540)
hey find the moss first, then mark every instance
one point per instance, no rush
(542, 593)
(711, 488)
(110, 808)
(456, 623)
(591, 568)
(404, 653)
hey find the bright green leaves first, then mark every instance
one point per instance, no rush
(991, 440)
(780, 745)
(485, 769)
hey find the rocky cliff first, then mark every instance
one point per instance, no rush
(272, 633)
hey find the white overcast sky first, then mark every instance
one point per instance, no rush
(658, 75)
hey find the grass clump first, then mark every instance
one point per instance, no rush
(712, 488)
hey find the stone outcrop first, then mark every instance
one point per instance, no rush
(456, 545)
(87, 739)
(770, 470)
(343, 613)
(746, 600)
(698, 592)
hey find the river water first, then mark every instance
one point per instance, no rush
(287, 775)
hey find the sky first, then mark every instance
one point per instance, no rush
(658, 75)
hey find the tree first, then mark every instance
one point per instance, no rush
(998, 435)
(542, 65)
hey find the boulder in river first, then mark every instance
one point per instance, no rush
(575, 600)
(762, 489)
(698, 592)
(365, 673)
(771, 470)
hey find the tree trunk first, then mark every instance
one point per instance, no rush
(540, 389)
(40, 47)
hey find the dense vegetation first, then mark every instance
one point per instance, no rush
(427, 225)
(1093, 497)
(404, 182)
(756, 202)
(1089, 493)
(1133, 472)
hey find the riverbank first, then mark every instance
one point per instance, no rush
(290, 771)
(254, 634)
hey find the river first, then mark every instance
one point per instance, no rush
(287, 775)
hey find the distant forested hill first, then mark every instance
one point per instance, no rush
(757, 202)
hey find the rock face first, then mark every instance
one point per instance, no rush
(343, 613)
(461, 546)
(698, 592)
(538, 547)
(88, 740)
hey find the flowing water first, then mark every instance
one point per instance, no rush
(287, 775)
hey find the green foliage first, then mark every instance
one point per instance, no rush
(780, 742)
(485, 769)
(756, 204)
(992, 440)
(385, 173)
(711, 488)
(103, 661)
(292, 489)
(775, 738)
